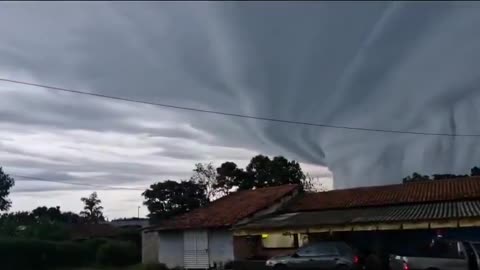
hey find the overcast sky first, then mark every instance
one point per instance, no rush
(404, 66)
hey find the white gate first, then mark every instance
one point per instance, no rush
(195, 250)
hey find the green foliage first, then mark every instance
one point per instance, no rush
(260, 172)
(169, 198)
(92, 211)
(20, 254)
(416, 177)
(42, 223)
(6, 183)
(28, 254)
(475, 171)
(206, 176)
(118, 253)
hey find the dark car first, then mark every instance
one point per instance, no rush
(318, 256)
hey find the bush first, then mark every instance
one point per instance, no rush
(23, 254)
(118, 253)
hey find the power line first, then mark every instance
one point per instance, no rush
(71, 183)
(238, 115)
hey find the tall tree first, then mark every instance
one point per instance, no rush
(206, 176)
(261, 172)
(170, 198)
(312, 184)
(475, 171)
(6, 183)
(93, 211)
(229, 176)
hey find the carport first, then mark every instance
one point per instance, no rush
(377, 219)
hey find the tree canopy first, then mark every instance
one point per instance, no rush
(260, 172)
(6, 183)
(92, 211)
(417, 177)
(169, 198)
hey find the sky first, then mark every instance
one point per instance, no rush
(383, 65)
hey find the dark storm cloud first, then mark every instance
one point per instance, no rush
(387, 65)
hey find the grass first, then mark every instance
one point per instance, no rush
(134, 267)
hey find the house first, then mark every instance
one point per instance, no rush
(203, 238)
(373, 219)
(249, 226)
(130, 223)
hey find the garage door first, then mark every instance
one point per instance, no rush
(195, 254)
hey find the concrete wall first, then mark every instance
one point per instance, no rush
(149, 247)
(220, 244)
(170, 248)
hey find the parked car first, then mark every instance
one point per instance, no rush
(318, 256)
(440, 254)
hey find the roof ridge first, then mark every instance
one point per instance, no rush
(426, 182)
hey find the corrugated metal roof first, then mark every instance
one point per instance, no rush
(412, 212)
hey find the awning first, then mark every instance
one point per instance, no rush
(372, 218)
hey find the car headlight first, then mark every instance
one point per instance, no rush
(270, 263)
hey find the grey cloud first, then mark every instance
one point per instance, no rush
(394, 65)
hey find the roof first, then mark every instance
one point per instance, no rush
(415, 212)
(416, 192)
(229, 210)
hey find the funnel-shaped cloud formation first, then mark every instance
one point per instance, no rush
(403, 66)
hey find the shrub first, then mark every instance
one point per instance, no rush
(118, 253)
(20, 254)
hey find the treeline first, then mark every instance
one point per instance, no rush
(50, 223)
(167, 198)
(170, 197)
(417, 177)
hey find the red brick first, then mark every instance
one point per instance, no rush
(416, 192)
(230, 209)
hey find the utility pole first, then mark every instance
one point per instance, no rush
(138, 212)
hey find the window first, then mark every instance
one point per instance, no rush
(318, 250)
(278, 240)
(443, 249)
(477, 248)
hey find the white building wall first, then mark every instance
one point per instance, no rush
(170, 248)
(149, 247)
(220, 247)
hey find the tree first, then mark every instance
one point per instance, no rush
(6, 183)
(92, 209)
(447, 176)
(475, 171)
(206, 176)
(260, 172)
(312, 184)
(229, 176)
(416, 177)
(170, 198)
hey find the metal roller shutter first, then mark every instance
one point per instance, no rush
(195, 254)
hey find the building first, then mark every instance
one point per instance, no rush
(203, 238)
(136, 223)
(254, 225)
(378, 219)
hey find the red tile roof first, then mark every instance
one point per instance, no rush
(417, 192)
(230, 209)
